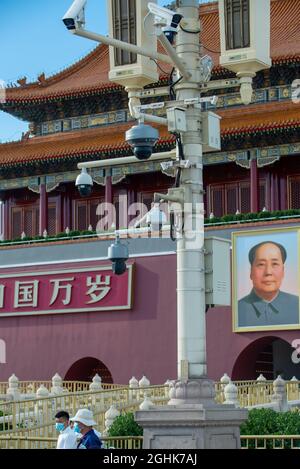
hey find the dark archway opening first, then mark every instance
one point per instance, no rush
(86, 368)
(270, 356)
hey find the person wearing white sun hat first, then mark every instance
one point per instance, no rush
(84, 422)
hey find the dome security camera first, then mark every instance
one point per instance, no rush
(84, 183)
(118, 254)
(142, 138)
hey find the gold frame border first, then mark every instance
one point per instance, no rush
(234, 309)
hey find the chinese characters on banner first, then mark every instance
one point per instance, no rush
(64, 291)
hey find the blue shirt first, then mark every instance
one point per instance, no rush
(90, 441)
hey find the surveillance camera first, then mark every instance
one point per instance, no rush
(142, 138)
(167, 18)
(84, 183)
(75, 16)
(118, 254)
(156, 218)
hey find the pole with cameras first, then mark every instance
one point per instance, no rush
(192, 418)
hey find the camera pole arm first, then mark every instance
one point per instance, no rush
(134, 104)
(122, 45)
(173, 56)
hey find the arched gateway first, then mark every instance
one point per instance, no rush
(86, 368)
(270, 356)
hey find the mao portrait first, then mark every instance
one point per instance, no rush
(266, 302)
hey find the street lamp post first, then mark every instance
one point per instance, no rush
(192, 419)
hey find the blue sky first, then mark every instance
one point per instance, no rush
(33, 40)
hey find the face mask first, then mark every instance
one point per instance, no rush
(59, 427)
(76, 428)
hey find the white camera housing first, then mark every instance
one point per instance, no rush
(156, 218)
(162, 15)
(84, 183)
(143, 70)
(75, 16)
(165, 19)
(256, 57)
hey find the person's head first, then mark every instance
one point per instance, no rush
(267, 268)
(84, 421)
(61, 420)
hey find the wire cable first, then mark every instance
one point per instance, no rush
(189, 32)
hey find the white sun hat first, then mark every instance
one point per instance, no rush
(84, 416)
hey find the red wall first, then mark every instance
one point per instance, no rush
(130, 343)
(224, 346)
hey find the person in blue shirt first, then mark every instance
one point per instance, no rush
(84, 423)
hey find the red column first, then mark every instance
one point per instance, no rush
(6, 219)
(254, 186)
(131, 200)
(268, 191)
(59, 214)
(274, 192)
(109, 200)
(283, 202)
(67, 212)
(43, 208)
(108, 190)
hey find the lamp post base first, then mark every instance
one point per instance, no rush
(192, 420)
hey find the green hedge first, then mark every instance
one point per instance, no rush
(4, 426)
(269, 422)
(244, 217)
(125, 425)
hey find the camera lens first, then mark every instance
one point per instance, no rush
(85, 190)
(142, 152)
(119, 267)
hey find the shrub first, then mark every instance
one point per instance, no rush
(125, 425)
(4, 426)
(269, 422)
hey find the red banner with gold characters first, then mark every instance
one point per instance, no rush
(71, 288)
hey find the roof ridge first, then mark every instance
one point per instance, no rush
(67, 71)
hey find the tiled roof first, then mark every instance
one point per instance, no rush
(110, 139)
(81, 142)
(90, 75)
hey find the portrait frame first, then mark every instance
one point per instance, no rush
(242, 242)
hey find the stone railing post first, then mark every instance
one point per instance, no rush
(168, 384)
(41, 407)
(143, 383)
(57, 385)
(13, 388)
(279, 397)
(133, 386)
(96, 384)
(261, 390)
(110, 416)
(293, 389)
(231, 394)
(261, 379)
(224, 381)
(96, 387)
(146, 404)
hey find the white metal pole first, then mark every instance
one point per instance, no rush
(164, 156)
(122, 45)
(191, 329)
